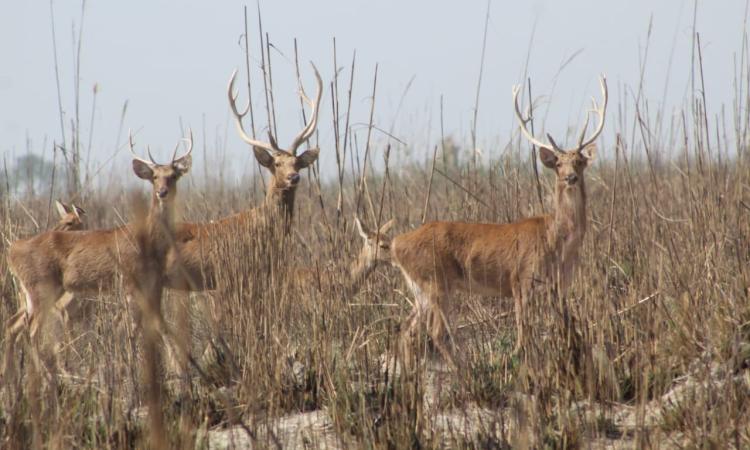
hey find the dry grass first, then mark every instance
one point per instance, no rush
(659, 308)
(650, 348)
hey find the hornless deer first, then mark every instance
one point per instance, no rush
(375, 250)
(505, 260)
(63, 264)
(189, 266)
(71, 217)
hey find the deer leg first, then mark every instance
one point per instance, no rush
(413, 323)
(521, 287)
(519, 306)
(39, 301)
(16, 324)
(182, 336)
(439, 328)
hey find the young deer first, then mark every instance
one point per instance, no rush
(71, 217)
(189, 266)
(63, 264)
(504, 260)
(375, 250)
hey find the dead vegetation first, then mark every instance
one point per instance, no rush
(650, 347)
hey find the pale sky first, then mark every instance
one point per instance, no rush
(171, 62)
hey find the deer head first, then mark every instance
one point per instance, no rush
(163, 177)
(568, 164)
(71, 217)
(284, 164)
(376, 246)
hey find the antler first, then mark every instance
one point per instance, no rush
(309, 129)
(523, 121)
(239, 115)
(153, 162)
(189, 140)
(600, 112)
(582, 142)
(131, 146)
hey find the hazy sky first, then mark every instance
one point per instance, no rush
(171, 62)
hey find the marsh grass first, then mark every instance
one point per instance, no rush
(650, 348)
(660, 302)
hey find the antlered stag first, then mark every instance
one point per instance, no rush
(190, 265)
(505, 260)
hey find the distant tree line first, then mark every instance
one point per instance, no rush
(30, 175)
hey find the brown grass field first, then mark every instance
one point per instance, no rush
(650, 348)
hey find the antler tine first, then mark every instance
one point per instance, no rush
(239, 115)
(131, 146)
(600, 112)
(189, 140)
(582, 136)
(554, 145)
(309, 129)
(272, 140)
(523, 121)
(148, 150)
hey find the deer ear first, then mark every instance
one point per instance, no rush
(307, 157)
(264, 158)
(589, 152)
(548, 157)
(78, 210)
(363, 231)
(386, 226)
(183, 164)
(62, 210)
(143, 170)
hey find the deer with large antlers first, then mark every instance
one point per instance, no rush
(505, 260)
(189, 268)
(55, 266)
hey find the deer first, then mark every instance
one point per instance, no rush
(53, 267)
(374, 252)
(188, 266)
(505, 260)
(71, 217)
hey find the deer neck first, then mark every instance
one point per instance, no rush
(281, 202)
(568, 226)
(161, 221)
(357, 276)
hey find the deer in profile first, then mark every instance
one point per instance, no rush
(506, 260)
(56, 266)
(189, 265)
(71, 217)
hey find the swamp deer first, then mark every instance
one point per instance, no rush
(71, 217)
(504, 260)
(375, 250)
(190, 265)
(54, 267)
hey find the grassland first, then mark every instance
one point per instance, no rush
(649, 349)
